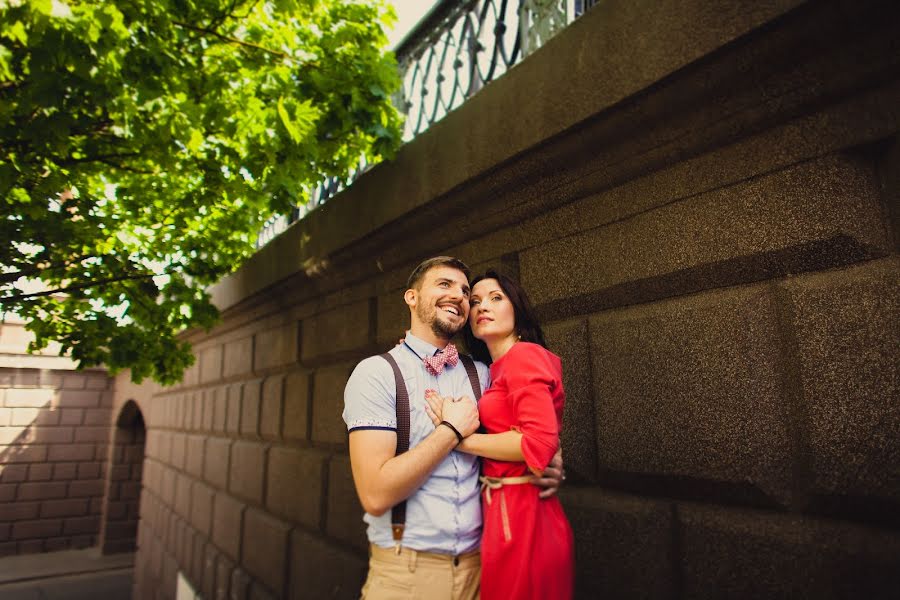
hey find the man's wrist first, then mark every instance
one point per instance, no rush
(459, 436)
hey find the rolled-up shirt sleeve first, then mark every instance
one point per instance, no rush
(531, 379)
(369, 396)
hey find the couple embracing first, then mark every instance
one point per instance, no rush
(415, 446)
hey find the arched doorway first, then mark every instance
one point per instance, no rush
(118, 531)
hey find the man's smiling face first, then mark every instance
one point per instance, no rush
(442, 301)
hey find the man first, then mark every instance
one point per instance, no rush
(437, 555)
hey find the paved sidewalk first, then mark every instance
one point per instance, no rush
(67, 575)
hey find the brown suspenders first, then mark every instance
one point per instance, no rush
(398, 512)
(472, 372)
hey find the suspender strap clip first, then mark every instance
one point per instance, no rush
(397, 532)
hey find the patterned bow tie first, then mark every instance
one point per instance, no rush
(435, 364)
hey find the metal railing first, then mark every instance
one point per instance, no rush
(454, 51)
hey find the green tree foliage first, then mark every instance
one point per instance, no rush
(144, 142)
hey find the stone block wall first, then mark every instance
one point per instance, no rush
(702, 200)
(54, 438)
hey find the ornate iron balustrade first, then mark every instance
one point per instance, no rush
(461, 46)
(454, 51)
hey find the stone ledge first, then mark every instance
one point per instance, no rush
(629, 45)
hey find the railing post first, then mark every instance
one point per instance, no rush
(536, 21)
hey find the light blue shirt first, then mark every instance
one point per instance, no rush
(444, 515)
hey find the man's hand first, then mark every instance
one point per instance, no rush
(552, 477)
(462, 413)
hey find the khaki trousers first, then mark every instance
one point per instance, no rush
(412, 575)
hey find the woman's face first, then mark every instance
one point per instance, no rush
(491, 315)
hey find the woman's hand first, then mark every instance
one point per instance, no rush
(435, 406)
(461, 413)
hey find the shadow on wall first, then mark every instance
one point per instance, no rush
(54, 441)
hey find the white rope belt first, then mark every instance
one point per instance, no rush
(495, 483)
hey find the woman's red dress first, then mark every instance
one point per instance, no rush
(527, 545)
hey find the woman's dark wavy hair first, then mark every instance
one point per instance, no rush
(528, 328)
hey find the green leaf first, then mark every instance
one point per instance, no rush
(289, 125)
(141, 155)
(44, 7)
(16, 32)
(195, 142)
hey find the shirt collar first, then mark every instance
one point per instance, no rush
(419, 346)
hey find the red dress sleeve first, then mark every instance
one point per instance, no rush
(531, 380)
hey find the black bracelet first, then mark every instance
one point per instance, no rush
(454, 429)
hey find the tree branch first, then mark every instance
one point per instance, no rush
(71, 288)
(25, 271)
(98, 158)
(231, 40)
(246, 14)
(116, 165)
(15, 275)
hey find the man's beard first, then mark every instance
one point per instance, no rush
(440, 328)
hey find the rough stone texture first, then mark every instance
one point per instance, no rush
(690, 388)
(393, 318)
(336, 331)
(847, 332)
(321, 570)
(809, 216)
(210, 560)
(201, 508)
(627, 539)
(784, 556)
(294, 485)
(240, 585)
(265, 548)
(296, 405)
(275, 347)
(328, 403)
(344, 512)
(167, 488)
(182, 504)
(233, 410)
(228, 519)
(211, 364)
(569, 340)
(195, 448)
(224, 568)
(195, 418)
(209, 408)
(250, 407)
(271, 407)
(248, 467)
(220, 409)
(217, 462)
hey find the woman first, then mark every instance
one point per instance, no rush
(526, 547)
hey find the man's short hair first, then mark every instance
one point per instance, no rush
(415, 278)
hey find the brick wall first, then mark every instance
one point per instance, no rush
(701, 199)
(54, 437)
